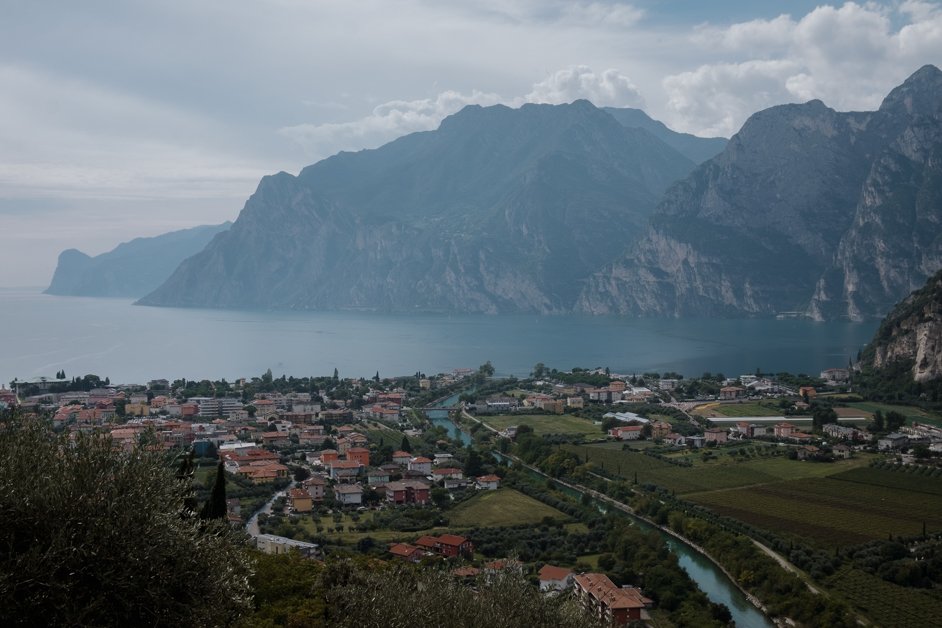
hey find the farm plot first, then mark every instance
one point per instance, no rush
(885, 603)
(504, 507)
(546, 424)
(902, 479)
(829, 512)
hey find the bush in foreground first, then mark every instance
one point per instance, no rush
(94, 536)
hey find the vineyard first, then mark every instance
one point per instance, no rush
(830, 512)
(696, 476)
(885, 603)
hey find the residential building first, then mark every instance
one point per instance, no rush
(406, 552)
(344, 470)
(407, 492)
(349, 494)
(360, 455)
(715, 435)
(784, 430)
(608, 602)
(315, 486)
(447, 545)
(421, 465)
(554, 578)
(300, 500)
(488, 482)
(626, 432)
(271, 544)
(401, 458)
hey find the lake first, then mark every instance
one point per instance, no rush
(131, 344)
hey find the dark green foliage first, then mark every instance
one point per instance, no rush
(91, 536)
(215, 506)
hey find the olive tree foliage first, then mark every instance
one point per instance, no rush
(406, 596)
(93, 535)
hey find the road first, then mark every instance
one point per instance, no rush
(252, 525)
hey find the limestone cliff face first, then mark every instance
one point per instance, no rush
(807, 210)
(912, 332)
(499, 210)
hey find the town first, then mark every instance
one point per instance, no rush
(422, 469)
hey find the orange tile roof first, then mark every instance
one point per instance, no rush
(552, 572)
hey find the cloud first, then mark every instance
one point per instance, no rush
(400, 117)
(849, 56)
(610, 88)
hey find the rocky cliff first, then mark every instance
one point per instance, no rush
(497, 210)
(807, 211)
(132, 269)
(911, 335)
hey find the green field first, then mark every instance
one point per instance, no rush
(503, 507)
(722, 473)
(912, 413)
(886, 603)
(546, 424)
(833, 511)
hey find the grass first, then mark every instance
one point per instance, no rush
(835, 511)
(546, 424)
(503, 507)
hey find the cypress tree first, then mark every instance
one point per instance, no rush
(215, 506)
(185, 474)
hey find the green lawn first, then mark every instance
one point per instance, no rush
(503, 507)
(544, 424)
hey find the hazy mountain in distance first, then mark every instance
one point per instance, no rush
(498, 210)
(131, 269)
(808, 210)
(696, 149)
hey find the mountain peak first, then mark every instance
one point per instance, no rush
(920, 94)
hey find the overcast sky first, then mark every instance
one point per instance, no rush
(131, 118)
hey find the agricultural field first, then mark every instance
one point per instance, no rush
(710, 410)
(912, 413)
(503, 507)
(832, 511)
(885, 603)
(546, 424)
(722, 472)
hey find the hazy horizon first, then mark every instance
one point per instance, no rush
(157, 118)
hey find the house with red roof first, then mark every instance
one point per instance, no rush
(553, 578)
(407, 492)
(612, 604)
(447, 545)
(406, 552)
(421, 465)
(488, 482)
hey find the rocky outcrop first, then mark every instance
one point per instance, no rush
(499, 210)
(131, 269)
(807, 211)
(911, 334)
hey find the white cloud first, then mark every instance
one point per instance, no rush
(607, 89)
(399, 117)
(849, 56)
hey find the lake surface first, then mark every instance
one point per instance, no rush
(131, 344)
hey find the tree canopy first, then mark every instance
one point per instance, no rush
(90, 535)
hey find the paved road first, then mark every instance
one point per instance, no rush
(252, 525)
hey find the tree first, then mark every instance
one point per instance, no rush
(539, 369)
(472, 464)
(439, 496)
(94, 536)
(486, 369)
(215, 506)
(821, 415)
(405, 445)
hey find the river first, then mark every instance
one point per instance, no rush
(710, 578)
(133, 344)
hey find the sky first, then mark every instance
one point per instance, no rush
(134, 118)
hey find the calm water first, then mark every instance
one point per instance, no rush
(111, 337)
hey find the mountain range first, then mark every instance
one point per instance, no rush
(548, 209)
(808, 211)
(131, 269)
(497, 210)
